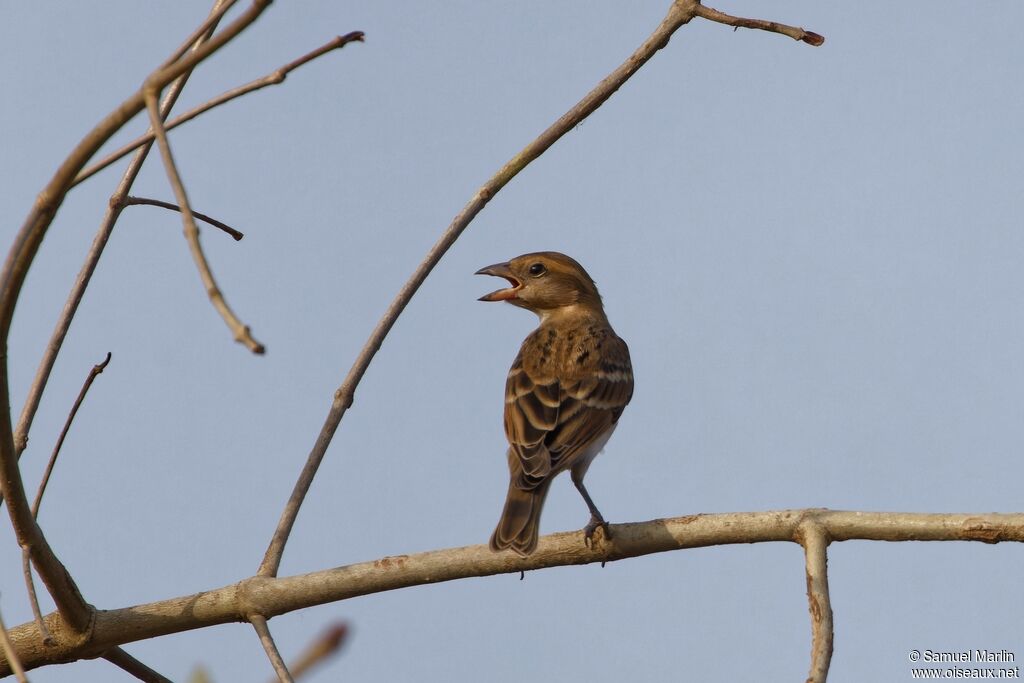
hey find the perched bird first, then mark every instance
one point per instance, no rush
(564, 393)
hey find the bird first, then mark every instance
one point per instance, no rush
(564, 393)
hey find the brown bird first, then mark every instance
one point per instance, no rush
(565, 391)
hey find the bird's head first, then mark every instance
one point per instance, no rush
(544, 282)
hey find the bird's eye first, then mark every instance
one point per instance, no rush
(537, 269)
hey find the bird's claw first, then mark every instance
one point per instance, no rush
(593, 525)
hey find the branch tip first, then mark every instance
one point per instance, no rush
(794, 32)
(812, 38)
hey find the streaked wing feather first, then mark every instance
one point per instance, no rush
(548, 422)
(531, 412)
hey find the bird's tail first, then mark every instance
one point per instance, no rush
(520, 520)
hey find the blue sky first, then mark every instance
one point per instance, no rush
(814, 254)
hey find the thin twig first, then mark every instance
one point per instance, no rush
(10, 654)
(133, 666)
(75, 613)
(96, 370)
(143, 201)
(267, 640)
(681, 12)
(239, 330)
(26, 565)
(202, 32)
(25, 554)
(33, 598)
(815, 541)
(327, 644)
(809, 37)
(272, 597)
(273, 78)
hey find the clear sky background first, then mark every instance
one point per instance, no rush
(814, 254)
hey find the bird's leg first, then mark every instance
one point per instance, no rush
(596, 520)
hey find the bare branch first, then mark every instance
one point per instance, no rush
(267, 640)
(815, 540)
(327, 644)
(96, 370)
(273, 78)
(809, 37)
(143, 201)
(202, 32)
(114, 208)
(133, 666)
(681, 12)
(75, 612)
(239, 330)
(272, 597)
(10, 654)
(25, 551)
(33, 599)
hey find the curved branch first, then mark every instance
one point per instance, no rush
(271, 597)
(681, 12)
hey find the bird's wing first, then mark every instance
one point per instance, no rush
(548, 422)
(592, 403)
(531, 412)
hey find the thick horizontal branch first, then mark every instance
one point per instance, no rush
(275, 596)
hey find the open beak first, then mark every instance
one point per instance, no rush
(505, 271)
